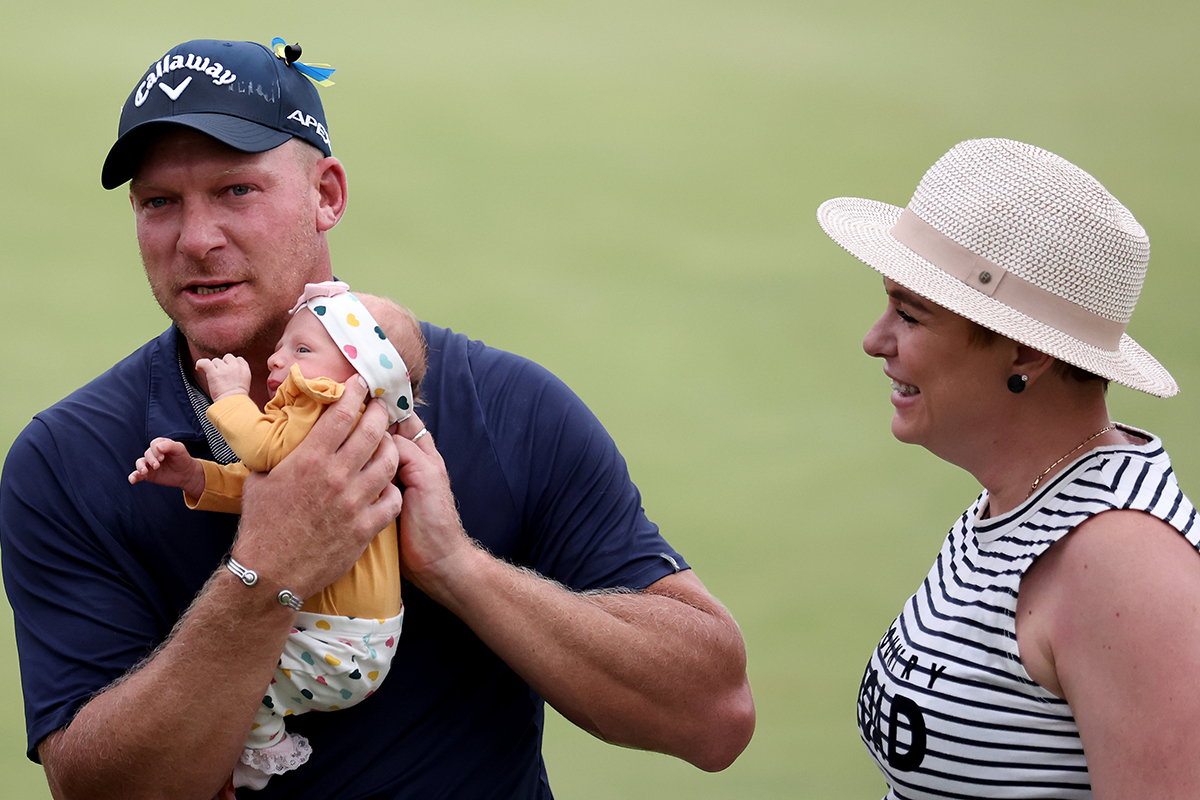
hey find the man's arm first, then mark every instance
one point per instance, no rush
(663, 669)
(174, 727)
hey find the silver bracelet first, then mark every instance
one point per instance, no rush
(250, 577)
(290, 600)
(246, 576)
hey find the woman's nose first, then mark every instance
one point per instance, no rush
(879, 342)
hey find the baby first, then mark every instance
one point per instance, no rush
(342, 644)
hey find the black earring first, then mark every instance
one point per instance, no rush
(292, 52)
(1016, 383)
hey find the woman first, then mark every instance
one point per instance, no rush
(1054, 648)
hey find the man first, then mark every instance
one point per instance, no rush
(143, 654)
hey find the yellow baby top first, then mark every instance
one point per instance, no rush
(261, 439)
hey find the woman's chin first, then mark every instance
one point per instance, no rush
(903, 430)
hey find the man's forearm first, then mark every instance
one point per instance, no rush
(174, 727)
(663, 669)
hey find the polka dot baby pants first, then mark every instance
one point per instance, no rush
(328, 663)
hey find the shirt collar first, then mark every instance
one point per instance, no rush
(222, 453)
(176, 405)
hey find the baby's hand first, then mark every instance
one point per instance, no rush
(168, 463)
(226, 376)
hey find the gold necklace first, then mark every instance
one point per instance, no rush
(1038, 479)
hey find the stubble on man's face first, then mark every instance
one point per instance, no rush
(217, 331)
(256, 255)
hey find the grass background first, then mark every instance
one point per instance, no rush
(624, 191)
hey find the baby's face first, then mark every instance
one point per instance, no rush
(306, 343)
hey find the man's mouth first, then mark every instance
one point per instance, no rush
(207, 290)
(904, 389)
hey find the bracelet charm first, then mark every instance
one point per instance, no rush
(245, 575)
(286, 598)
(249, 577)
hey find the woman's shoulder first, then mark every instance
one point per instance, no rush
(1119, 562)
(1135, 475)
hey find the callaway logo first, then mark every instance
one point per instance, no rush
(308, 121)
(220, 76)
(178, 90)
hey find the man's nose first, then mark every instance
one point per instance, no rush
(200, 231)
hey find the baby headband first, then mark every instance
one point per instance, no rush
(363, 343)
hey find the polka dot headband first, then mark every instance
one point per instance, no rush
(363, 343)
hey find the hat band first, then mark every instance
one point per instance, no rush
(1004, 287)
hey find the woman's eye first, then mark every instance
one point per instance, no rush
(906, 317)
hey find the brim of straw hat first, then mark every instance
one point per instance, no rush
(863, 227)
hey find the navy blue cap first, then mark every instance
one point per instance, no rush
(239, 93)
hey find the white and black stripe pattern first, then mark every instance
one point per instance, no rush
(946, 708)
(222, 453)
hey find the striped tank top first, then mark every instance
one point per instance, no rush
(945, 708)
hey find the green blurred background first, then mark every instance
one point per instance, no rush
(624, 191)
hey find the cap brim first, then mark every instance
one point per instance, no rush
(125, 156)
(863, 227)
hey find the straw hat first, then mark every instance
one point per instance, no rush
(1022, 242)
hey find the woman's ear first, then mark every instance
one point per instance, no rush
(1030, 362)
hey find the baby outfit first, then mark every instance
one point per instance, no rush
(342, 645)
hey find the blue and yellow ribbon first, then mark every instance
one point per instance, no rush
(317, 73)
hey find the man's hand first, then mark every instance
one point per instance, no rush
(432, 541)
(225, 376)
(168, 463)
(306, 522)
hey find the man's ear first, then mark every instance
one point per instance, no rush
(330, 181)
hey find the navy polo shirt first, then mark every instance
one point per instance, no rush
(97, 571)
